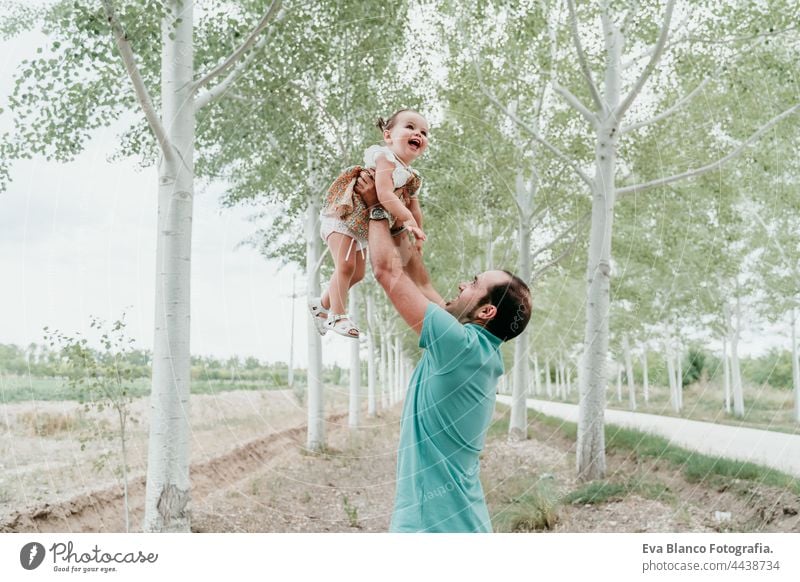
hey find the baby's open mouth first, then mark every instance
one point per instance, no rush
(414, 142)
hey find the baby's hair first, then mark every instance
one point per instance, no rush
(388, 124)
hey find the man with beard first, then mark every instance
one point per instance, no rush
(451, 395)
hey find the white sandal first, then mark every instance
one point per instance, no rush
(343, 325)
(319, 314)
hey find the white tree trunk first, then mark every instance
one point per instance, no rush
(372, 401)
(645, 380)
(547, 384)
(167, 492)
(315, 437)
(290, 370)
(679, 375)
(619, 383)
(398, 374)
(518, 423)
(626, 347)
(673, 394)
(355, 361)
(563, 371)
(736, 372)
(591, 456)
(795, 367)
(390, 366)
(384, 371)
(726, 368)
(569, 381)
(537, 378)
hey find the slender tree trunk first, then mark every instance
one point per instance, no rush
(626, 346)
(569, 381)
(372, 401)
(518, 423)
(290, 370)
(645, 380)
(537, 378)
(398, 368)
(384, 371)
(591, 457)
(548, 385)
(123, 436)
(736, 372)
(355, 361)
(391, 368)
(726, 368)
(673, 395)
(168, 489)
(315, 438)
(795, 367)
(679, 375)
(619, 383)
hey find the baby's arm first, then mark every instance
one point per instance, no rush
(416, 211)
(384, 186)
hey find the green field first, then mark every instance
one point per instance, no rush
(27, 388)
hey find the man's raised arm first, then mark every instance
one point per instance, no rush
(387, 267)
(407, 298)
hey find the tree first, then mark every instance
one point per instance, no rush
(152, 39)
(102, 380)
(606, 119)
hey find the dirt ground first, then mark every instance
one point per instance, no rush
(251, 473)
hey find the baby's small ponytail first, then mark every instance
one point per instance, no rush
(381, 123)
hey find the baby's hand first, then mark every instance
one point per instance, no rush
(411, 225)
(418, 242)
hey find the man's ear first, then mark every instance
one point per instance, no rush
(486, 313)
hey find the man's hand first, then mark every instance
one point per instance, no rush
(365, 187)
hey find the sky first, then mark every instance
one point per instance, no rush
(78, 240)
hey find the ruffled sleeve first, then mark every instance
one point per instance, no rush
(400, 175)
(372, 152)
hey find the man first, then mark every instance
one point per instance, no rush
(451, 394)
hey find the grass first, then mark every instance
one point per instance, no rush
(696, 467)
(50, 423)
(525, 507)
(28, 388)
(765, 407)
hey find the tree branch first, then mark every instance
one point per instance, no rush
(550, 264)
(577, 225)
(667, 112)
(234, 56)
(558, 153)
(716, 41)
(142, 95)
(325, 113)
(570, 98)
(708, 167)
(648, 69)
(219, 89)
(587, 73)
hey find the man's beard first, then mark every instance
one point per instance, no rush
(462, 313)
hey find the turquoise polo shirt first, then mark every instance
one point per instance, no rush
(446, 414)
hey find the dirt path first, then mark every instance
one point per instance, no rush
(271, 484)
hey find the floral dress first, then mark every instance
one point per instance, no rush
(344, 211)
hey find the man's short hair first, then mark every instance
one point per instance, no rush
(513, 303)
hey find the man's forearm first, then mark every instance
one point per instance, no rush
(387, 267)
